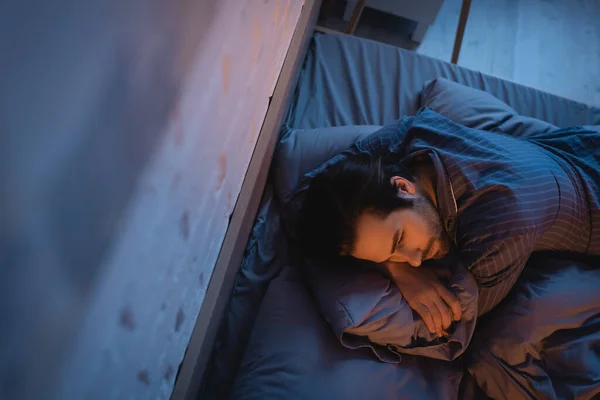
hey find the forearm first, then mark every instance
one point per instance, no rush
(396, 271)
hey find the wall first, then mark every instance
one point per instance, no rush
(126, 130)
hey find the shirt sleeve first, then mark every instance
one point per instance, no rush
(496, 267)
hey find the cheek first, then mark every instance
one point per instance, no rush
(421, 231)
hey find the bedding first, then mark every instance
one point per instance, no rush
(301, 150)
(359, 302)
(479, 110)
(366, 309)
(264, 257)
(293, 355)
(338, 308)
(544, 342)
(352, 81)
(293, 352)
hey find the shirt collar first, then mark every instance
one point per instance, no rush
(446, 199)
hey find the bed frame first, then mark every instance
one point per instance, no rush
(194, 366)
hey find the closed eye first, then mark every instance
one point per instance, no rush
(397, 241)
(399, 244)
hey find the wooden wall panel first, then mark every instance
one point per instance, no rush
(130, 127)
(158, 270)
(191, 381)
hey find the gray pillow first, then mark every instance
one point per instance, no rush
(477, 109)
(302, 150)
(360, 303)
(292, 354)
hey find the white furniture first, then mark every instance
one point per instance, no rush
(423, 12)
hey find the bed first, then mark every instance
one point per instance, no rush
(273, 341)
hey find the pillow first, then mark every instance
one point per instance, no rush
(302, 150)
(291, 354)
(360, 303)
(477, 109)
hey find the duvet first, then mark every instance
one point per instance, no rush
(543, 342)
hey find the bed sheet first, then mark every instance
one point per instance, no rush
(347, 80)
(292, 354)
(264, 257)
(353, 81)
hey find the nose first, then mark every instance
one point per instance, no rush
(414, 257)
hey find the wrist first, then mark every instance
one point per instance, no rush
(402, 273)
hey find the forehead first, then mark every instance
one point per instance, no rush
(374, 235)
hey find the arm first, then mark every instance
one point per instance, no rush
(388, 319)
(497, 267)
(426, 294)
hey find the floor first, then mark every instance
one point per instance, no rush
(552, 45)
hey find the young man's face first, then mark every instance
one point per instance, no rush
(410, 235)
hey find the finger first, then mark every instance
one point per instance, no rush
(451, 300)
(436, 316)
(425, 316)
(445, 312)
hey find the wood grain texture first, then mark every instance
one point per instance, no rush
(230, 257)
(460, 30)
(163, 255)
(355, 17)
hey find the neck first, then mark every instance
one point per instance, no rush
(425, 178)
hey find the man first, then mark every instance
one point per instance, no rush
(426, 189)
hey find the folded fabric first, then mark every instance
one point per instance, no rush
(479, 110)
(542, 342)
(292, 354)
(595, 128)
(363, 307)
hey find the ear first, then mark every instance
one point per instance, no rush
(404, 185)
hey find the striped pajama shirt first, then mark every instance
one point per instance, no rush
(503, 198)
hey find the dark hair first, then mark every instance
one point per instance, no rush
(339, 194)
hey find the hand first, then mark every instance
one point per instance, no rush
(426, 295)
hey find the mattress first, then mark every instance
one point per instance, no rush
(351, 81)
